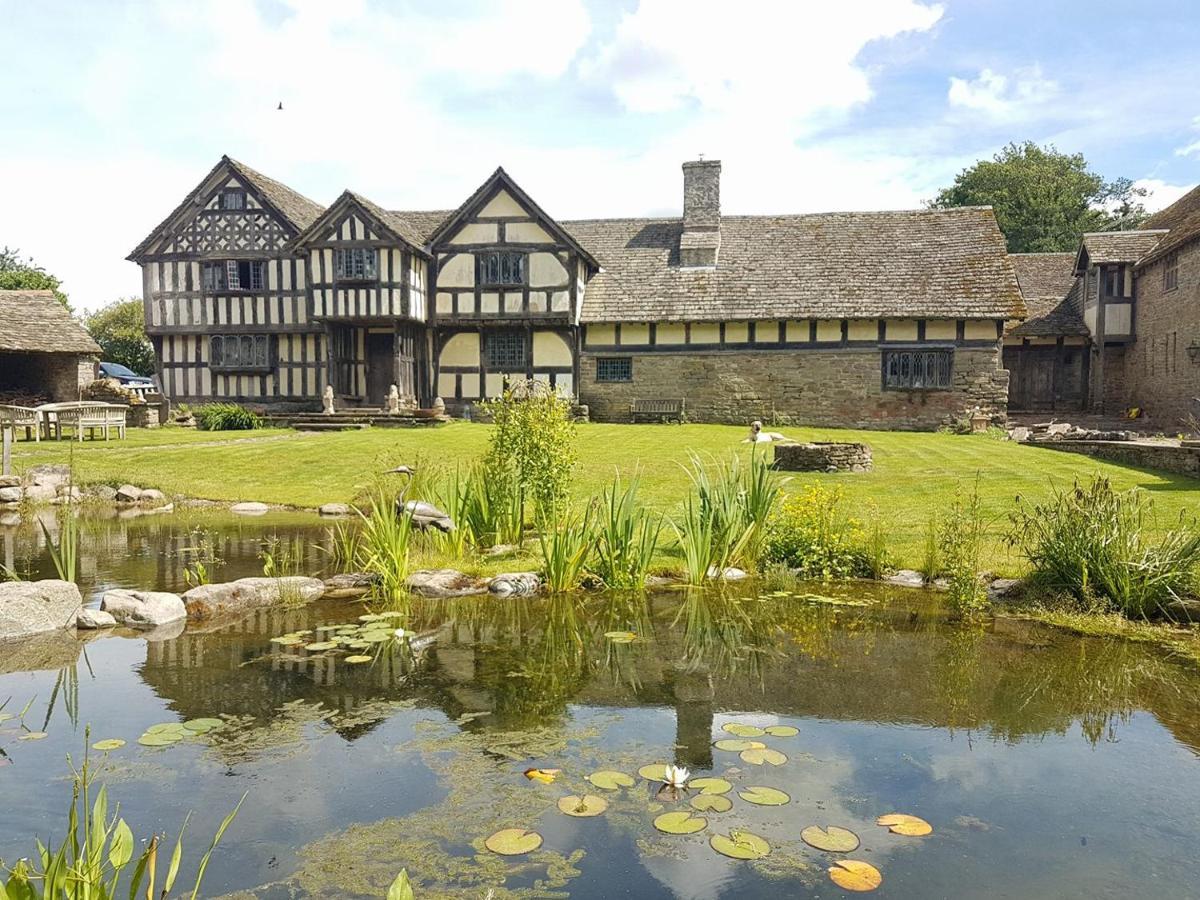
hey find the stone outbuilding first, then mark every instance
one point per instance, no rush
(44, 351)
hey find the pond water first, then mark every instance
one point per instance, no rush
(1048, 765)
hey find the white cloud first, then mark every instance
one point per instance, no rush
(999, 96)
(1160, 194)
(1192, 149)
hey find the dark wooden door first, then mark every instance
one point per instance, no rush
(406, 363)
(381, 367)
(1031, 377)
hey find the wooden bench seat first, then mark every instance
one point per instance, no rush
(658, 410)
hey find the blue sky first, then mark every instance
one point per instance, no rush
(113, 110)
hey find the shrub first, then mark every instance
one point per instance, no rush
(1090, 543)
(226, 417)
(961, 544)
(627, 537)
(812, 536)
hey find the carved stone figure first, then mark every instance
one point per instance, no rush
(327, 400)
(393, 401)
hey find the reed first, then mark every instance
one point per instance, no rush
(627, 537)
(566, 543)
(386, 537)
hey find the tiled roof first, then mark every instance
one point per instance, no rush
(35, 322)
(398, 224)
(1182, 218)
(422, 223)
(1046, 281)
(1119, 246)
(918, 263)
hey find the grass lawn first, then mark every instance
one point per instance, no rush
(915, 474)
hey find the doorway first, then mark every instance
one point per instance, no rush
(381, 366)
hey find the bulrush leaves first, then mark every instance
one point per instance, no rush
(513, 841)
(832, 839)
(608, 780)
(756, 756)
(740, 845)
(855, 875)
(711, 785)
(899, 823)
(621, 637)
(582, 807)
(711, 803)
(682, 822)
(782, 730)
(737, 746)
(764, 796)
(743, 731)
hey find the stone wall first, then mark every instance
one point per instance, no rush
(59, 376)
(1164, 457)
(837, 387)
(823, 456)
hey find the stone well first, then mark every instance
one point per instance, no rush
(823, 456)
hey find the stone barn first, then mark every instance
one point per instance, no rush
(45, 354)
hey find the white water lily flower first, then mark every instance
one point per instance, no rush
(401, 633)
(676, 776)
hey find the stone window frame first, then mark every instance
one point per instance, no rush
(494, 272)
(921, 362)
(1171, 271)
(614, 369)
(355, 264)
(240, 352)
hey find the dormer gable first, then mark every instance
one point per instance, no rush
(352, 218)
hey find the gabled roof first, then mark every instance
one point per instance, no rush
(1106, 247)
(1182, 218)
(423, 222)
(1046, 281)
(35, 322)
(501, 179)
(292, 207)
(398, 228)
(925, 263)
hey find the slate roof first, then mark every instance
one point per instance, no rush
(916, 263)
(1047, 281)
(35, 322)
(1182, 218)
(1118, 246)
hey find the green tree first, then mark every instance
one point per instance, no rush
(18, 274)
(1043, 199)
(120, 330)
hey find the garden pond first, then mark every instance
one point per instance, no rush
(1047, 764)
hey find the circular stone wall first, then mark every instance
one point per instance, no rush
(823, 456)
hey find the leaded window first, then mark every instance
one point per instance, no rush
(1171, 271)
(917, 370)
(234, 275)
(502, 267)
(233, 199)
(240, 352)
(504, 351)
(354, 263)
(614, 368)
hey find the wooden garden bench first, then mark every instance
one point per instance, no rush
(85, 417)
(22, 417)
(657, 410)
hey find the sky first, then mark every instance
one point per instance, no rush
(111, 111)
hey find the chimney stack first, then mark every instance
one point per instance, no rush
(701, 238)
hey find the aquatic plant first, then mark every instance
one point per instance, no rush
(811, 535)
(1092, 544)
(627, 537)
(401, 889)
(226, 417)
(202, 558)
(961, 543)
(343, 546)
(877, 558)
(931, 551)
(566, 543)
(491, 511)
(64, 552)
(386, 536)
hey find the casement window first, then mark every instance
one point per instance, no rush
(499, 267)
(233, 199)
(234, 275)
(504, 351)
(614, 368)
(1171, 271)
(917, 370)
(354, 263)
(239, 352)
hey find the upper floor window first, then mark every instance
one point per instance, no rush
(502, 267)
(233, 199)
(354, 263)
(234, 275)
(1171, 271)
(504, 351)
(917, 370)
(241, 352)
(1114, 281)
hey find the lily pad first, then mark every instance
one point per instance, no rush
(744, 731)
(582, 807)
(375, 637)
(108, 744)
(608, 780)
(513, 841)
(654, 772)
(203, 726)
(711, 785)
(165, 728)
(832, 839)
(782, 730)
(764, 796)
(738, 745)
(855, 875)
(899, 823)
(162, 739)
(286, 640)
(621, 637)
(358, 659)
(740, 845)
(32, 736)
(759, 755)
(680, 822)
(320, 646)
(372, 617)
(717, 803)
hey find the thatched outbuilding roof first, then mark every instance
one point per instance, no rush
(35, 322)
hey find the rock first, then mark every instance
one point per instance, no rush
(210, 600)
(906, 578)
(89, 619)
(152, 497)
(1019, 434)
(658, 581)
(142, 609)
(501, 550)
(31, 607)
(10, 481)
(515, 584)
(335, 509)
(52, 474)
(349, 586)
(11, 494)
(941, 584)
(445, 583)
(249, 509)
(10, 519)
(58, 649)
(128, 493)
(105, 492)
(730, 574)
(1004, 589)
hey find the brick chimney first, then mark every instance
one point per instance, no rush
(701, 238)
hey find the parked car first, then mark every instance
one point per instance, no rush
(126, 377)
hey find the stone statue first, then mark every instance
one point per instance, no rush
(440, 405)
(393, 401)
(327, 400)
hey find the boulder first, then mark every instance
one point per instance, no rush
(1019, 434)
(52, 474)
(152, 497)
(445, 583)
(31, 607)
(249, 509)
(11, 494)
(89, 619)
(906, 578)
(105, 492)
(515, 584)
(335, 509)
(128, 493)
(1004, 589)
(211, 600)
(142, 609)
(350, 585)
(10, 481)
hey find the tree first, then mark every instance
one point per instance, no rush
(17, 274)
(1045, 200)
(120, 330)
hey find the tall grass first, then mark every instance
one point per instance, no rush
(386, 536)
(566, 543)
(627, 536)
(961, 544)
(931, 551)
(491, 511)
(64, 552)
(344, 546)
